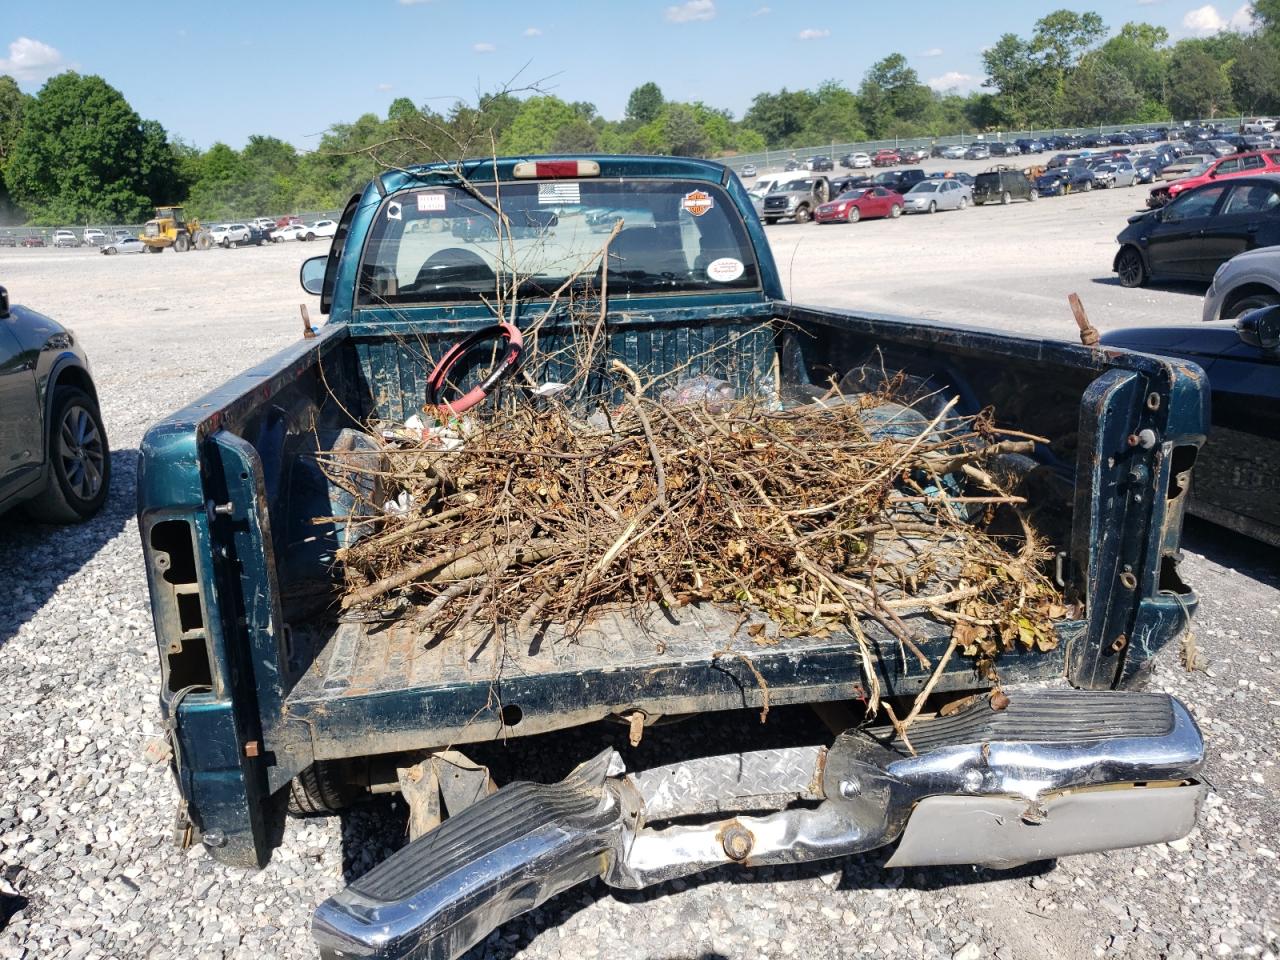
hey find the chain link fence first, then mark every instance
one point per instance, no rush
(18, 234)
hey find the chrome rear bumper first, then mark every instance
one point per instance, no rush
(1057, 772)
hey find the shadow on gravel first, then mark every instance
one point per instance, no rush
(1232, 550)
(35, 558)
(1190, 288)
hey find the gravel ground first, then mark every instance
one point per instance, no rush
(87, 869)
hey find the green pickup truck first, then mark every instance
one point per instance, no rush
(275, 698)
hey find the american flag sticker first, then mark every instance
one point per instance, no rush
(558, 193)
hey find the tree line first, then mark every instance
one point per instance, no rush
(77, 152)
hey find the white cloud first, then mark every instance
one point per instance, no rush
(30, 61)
(953, 80)
(1242, 19)
(384, 87)
(812, 34)
(932, 52)
(483, 47)
(532, 32)
(762, 12)
(692, 10)
(1204, 20)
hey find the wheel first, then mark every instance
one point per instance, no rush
(79, 460)
(322, 789)
(853, 216)
(1005, 198)
(232, 244)
(1088, 186)
(203, 241)
(1251, 302)
(1033, 195)
(109, 252)
(1130, 269)
(895, 211)
(802, 216)
(181, 244)
(964, 202)
(933, 206)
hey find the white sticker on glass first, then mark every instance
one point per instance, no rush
(724, 270)
(431, 203)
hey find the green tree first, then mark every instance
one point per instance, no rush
(645, 103)
(535, 127)
(13, 102)
(1097, 91)
(681, 132)
(576, 136)
(1255, 77)
(891, 94)
(1140, 53)
(779, 117)
(1012, 71)
(80, 154)
(1062, 37)
(1198, 86)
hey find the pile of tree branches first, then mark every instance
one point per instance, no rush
(810, 515)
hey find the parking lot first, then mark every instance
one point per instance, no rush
(85, 821)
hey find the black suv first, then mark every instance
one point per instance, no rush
(53, 448)
(900, 180)
(1002, 186)
(821, 163)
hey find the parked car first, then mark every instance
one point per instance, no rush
(978, 151)
(287, 220)
(854, 205)
(1122, 139)
(793, 164)
(1002, 186)
(94, 237)
(124, 245)
(291, 231)
(1239, 165)
(1187, 165)
(33, 240)
(953, 152)
(859, 161)
(65, 238)
(229, 235)
(1245, 282)
(1119, 173)
(1260, 125)
(958, 175)
(262, 223)
(796, 199)
(886, 158)
(54, 456)
(930, 196)
(320, 230)
(1241, 457)
(915, 155)
(1219, 148)
(749, 170)
(820, 164)
(257, 235)
(1193, 235)
(1030, 145)
(7, 239)
(1000, 149)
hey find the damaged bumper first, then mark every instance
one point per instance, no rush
(1055, 773)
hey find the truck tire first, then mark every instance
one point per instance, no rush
(202, 240)
(181, 244)
(802, 213)
(1005, 198)
(1250, 302)
(322, 789)
(1034, 194)
(79, 460)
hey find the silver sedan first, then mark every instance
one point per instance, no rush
(930, 196)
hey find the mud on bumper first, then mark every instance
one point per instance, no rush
(1054, 773)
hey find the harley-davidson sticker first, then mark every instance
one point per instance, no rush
(697, 202)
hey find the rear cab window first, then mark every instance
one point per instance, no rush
(444, 244)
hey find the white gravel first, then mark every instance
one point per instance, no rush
(85, 854)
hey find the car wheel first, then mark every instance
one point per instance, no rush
(1251, 302)
(1088, 185)
(895, 211)
(109, 252)
(933, 206)
(964, 202)
(854, 215)
(79, 460)
(1005, 198)
(802, 216)
(1033, 195)
(1130, 268)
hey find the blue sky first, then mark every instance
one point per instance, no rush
(223, 70)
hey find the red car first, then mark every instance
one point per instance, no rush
(915, 155)
(33, 241)
(852, 205)
(1236, 165)
(287, 221)
(886, 158)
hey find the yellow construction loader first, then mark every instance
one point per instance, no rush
(170, 228)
